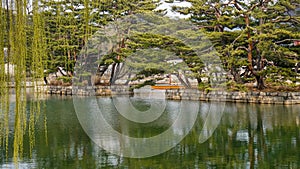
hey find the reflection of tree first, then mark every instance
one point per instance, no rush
(251, 141)
(261, 142)
(272, 140)
(66, 144)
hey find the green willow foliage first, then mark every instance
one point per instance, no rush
(22, 35)
(4, 105)
(42, 35)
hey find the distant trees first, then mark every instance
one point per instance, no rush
(69, 24)
(254, 39)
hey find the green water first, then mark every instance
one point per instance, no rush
(248, 136)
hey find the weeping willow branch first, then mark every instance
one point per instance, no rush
(38, 58)
(4, 97)
(19, 54)
(24, 41)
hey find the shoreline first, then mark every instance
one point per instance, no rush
(258, 97)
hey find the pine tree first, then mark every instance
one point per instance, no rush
(70, 24)
(143, 37)
(112, 11)
(63, 33)
(254, 34)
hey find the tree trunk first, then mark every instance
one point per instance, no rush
(187, 81)
(260, 82)
(199, 80)
(297, 67)
(259, 78)
(250, 44)
(236, 76)
(182, 81)
(111, 80)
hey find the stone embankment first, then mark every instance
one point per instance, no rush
(242, 97)
(86, 90)
(184, 94)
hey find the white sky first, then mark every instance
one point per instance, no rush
(168, 7)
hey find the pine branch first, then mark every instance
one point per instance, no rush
(238, 37)
(242, 47)
(286, 40)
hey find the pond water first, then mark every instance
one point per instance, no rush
(247, 136)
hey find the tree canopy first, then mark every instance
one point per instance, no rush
(258, 34)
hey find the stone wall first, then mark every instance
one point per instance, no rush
(185, 94)
(243, 97)
(87, 90)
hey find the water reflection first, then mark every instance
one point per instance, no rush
(121, 138)
(248, 136)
